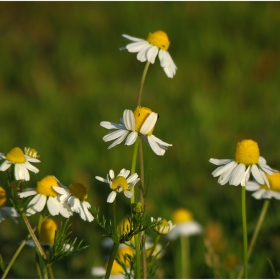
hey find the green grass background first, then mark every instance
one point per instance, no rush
(61, 74)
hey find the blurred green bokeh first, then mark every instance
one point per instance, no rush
(61, 74)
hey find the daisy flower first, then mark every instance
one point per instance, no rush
(45, 194)
(262, 191)
(164, 227)
(21, 162)
(141, 123)
(76, 196)
(185, 224)
(5, 210)
(157, 43)
(120, 183)
(247, 160)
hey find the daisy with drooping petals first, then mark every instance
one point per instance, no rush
(44, 193)
(164, 227)
(76, 196)
(247, 160)
(21, 162)
(120, 183)
(262, 191)
(141, 123)
(5, 210)
(157, 43)
(185, 224)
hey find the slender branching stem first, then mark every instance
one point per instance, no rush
(142, 83)
(244, 225)
(111, 260)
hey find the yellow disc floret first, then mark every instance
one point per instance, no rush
(116, 268)
(120, 183)
(16, 155)
(3, 197)
(47, 232)
(140, 115)
(274, 182)
(247, 152)
(44, 186)
(182, 215)
(78, 190)
(159, 39)
(31, 152)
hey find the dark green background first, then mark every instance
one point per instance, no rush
(61, 74)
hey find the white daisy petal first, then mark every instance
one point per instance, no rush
(5, 165)
(137, 46)
(111, 125)
(220, 161)
(27, 193)
(101, 179)
(111, 197)
(133, 39)
(132, 178)
(129, 120)
(151, 54)
(258, 194)
(149, 123)
(114, 135)
(131, 138)
(222, 169)
(257, 174)
(40, 204)
(224, 178)
(252, 186)
(142, 54)
(128, 194)
(112, 174)
(237, 174)
(53, 206)
(154, 146)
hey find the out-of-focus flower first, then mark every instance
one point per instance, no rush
(164, 227)
(156, 43)
(45, 194)
(247, 160)
(120, 183)
(21, 162)
(185, 224)
(5, 210)
(141, 123)
(76, 196)
(262, 191)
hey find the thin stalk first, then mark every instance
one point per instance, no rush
(133, 166)
(185, 257)
(111, 260)
(37, 243)
(15, 256)
(244, 225)
(50, 271)
(256, 232)
(154, 246)
(142, 191)
(142, 83)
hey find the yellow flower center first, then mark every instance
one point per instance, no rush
(31, 152)
(274, 181)
(120, 182)
(159, 39)
(44, 186)
(16, 155)
(182, 216)
(78, 190)
(140, 115)
(3, 197)
(247, 152)
(47, 232)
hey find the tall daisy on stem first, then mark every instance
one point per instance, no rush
(237, 172)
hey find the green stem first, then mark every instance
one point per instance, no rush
(244, 224)
(111, 260)
(154, 246)
(185, 257)
(37, 243)
(142, 83)
(133, 166)
(15, 256)
(256, 232)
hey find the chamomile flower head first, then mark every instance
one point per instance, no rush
(120, 183)
(164, 227)
(185, 224)
(247, 160)
(47, 232)
(21, 163)
(5, 210)
(157, 43)
(45, 194)
(262, 191)
(141, 123)
(76, 196)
